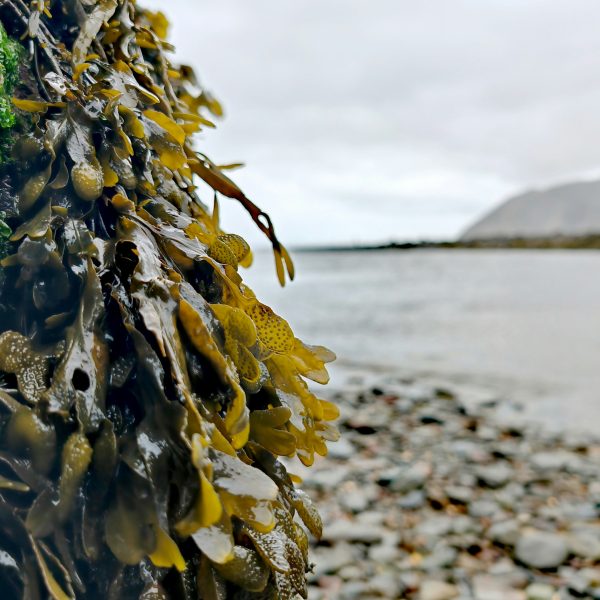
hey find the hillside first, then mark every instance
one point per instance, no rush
(569, 210)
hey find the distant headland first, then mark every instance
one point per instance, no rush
(566, 216)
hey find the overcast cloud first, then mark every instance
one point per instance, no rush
(372, 120)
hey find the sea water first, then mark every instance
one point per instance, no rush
(522, 324)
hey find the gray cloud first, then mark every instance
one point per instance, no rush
(371, 120)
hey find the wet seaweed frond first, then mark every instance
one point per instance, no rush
(146, 394)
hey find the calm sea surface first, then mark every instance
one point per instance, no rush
(524, 325)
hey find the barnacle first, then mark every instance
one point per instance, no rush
(145, 392)
(30, 367)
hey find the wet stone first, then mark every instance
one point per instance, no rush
(330, 560)
(542, 550)
(411, 477)
(584, 544)
(506, 533)
(540, 591)
(494, 476)
(442, 556)
(384, 553)
(483, 508)
(437, 590)
(463, 510)
(343, 449)
(343, 531)
(413, 500)
(495, 587)
(459, 494)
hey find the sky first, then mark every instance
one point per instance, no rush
(375, 120)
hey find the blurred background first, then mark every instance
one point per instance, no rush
(393, 120)
(433, 167)
(367, 123)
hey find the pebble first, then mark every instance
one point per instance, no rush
(542, 550)
(355, 501)
(343, 449)
(412, 477)
(413, 500)
(343, 531)
(438, 590)
(584, 544)
(429, 497)
(494, 587)
(494, 476)
(540, 591)
(483, 508)
(506, 533)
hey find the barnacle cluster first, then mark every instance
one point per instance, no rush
(146, 394)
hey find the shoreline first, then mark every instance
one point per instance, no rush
(430, 497)
(587, 242)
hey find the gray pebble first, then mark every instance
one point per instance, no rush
(506, 533)
(542, 550)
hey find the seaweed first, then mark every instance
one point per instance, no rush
(146, 394)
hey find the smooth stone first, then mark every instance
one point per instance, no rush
(413, 500)
(483, 508)
(551, 461)
(468, 450)
(350, 572)
(594, 490)
(331, 560)
(368, 422)
(418, 394)
(411, 477)
(404, 405)
(354, 501)
(591, 575)
(540, 591)
(371, 517)
(442, 556)
(510, 495)
(541, 549)
(315, 593)
(462, 524)
(437, 590)
(459, 494)
(434, 527)
(503, 566)
(506, 533)
(580, 511)
(578, 584)
(488, 433)
(344, 531)
(494, 476)
(494, 587)
(386, 584)
(384, 553)
(354, 590)
(585, 545)
(327, 479)
(343, 449)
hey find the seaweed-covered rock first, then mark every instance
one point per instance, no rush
(145, 392)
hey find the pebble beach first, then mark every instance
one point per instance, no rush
(430, 495)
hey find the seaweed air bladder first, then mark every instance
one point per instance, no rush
(145, 392)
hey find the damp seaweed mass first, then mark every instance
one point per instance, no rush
(145, 392)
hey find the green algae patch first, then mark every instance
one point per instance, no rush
(11, 55)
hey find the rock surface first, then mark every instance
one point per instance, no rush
(430, 498)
